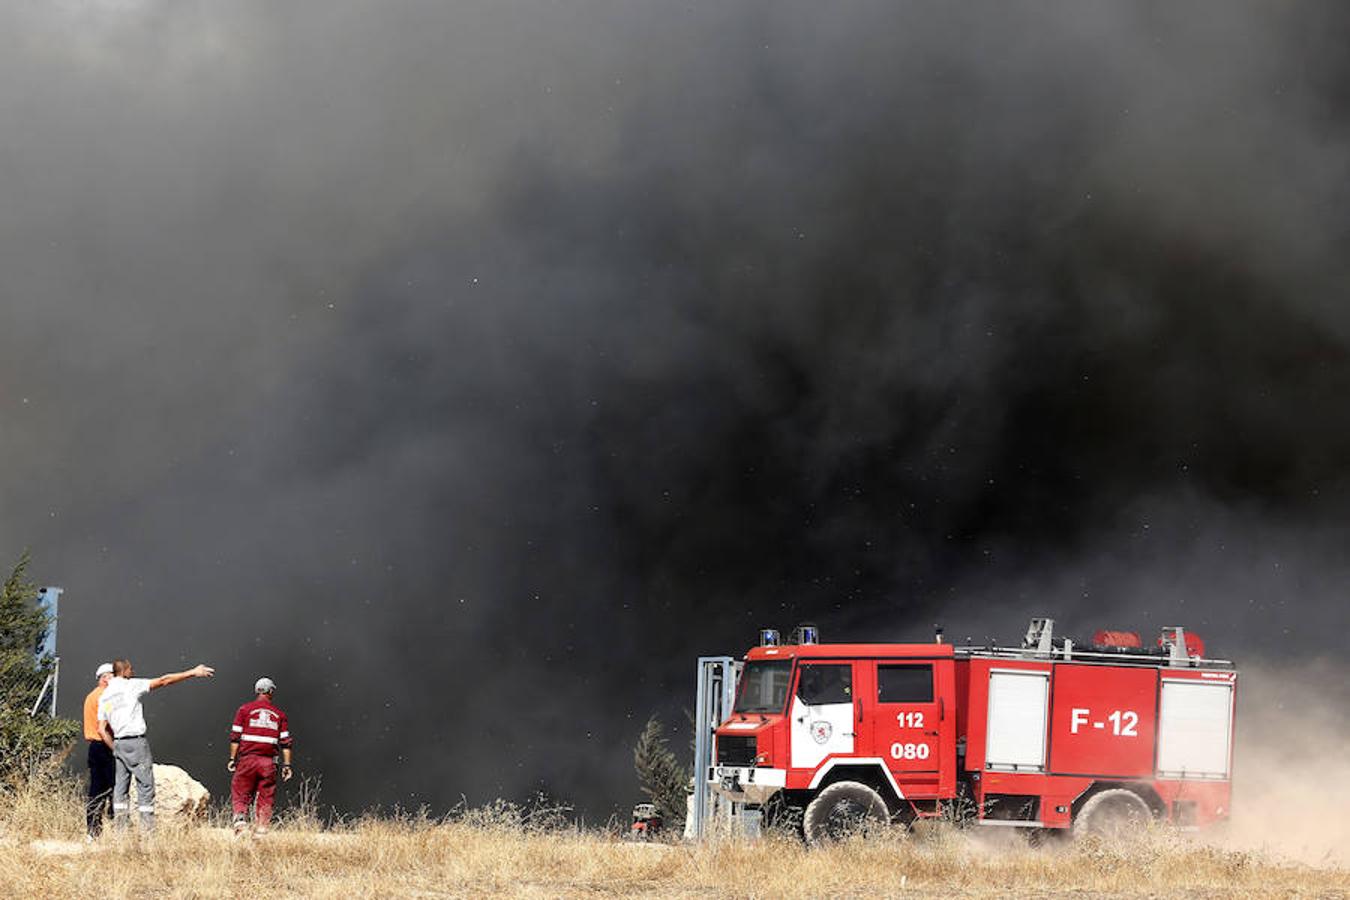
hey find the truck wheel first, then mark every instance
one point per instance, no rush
(842, 809)
(1113, 813)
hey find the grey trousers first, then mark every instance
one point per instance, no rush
(134, 761)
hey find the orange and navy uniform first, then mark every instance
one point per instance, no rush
(102, 767)
(260, 728)
(91, 732)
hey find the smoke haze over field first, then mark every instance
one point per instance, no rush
(470, 368)
(1291, 782)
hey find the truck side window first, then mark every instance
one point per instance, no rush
(905, 684)
(820, 684)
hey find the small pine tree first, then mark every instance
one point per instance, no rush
(25, 739)
(660, 774)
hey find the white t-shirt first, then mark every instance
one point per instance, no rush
(120, 706)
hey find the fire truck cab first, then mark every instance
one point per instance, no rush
(1041, 736)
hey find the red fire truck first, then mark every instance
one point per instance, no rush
(1047, 735)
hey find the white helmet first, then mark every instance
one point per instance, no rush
(264, 685)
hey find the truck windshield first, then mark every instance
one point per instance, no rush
(764, 686)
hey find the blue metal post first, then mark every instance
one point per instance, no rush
(48, 599)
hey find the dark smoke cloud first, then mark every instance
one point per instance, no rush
(470, 369)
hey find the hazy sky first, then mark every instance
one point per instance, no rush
(470, 368)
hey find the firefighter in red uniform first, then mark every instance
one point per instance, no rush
(259, 730)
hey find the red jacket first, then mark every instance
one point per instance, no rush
(259, 727)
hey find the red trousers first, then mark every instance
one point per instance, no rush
(254, 774)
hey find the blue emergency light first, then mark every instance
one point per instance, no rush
(768, 637)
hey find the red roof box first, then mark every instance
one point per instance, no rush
(1118, 640)
(1195, 645)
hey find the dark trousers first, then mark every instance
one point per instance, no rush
(102, 771)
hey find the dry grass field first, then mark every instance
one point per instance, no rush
(1290, 837)
(493, 853)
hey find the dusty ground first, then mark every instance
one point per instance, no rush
(1290, 838)
(489, 856)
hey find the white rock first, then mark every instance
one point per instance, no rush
(178, 794)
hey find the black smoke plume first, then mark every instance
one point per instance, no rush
(471, 368)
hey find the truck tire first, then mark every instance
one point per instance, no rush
(843, 809)
(1112, 814)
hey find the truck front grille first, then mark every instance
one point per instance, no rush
(735, 750)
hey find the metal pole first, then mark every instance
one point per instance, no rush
(702, 748)
(41, 693)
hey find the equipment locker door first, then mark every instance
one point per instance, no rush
(822, 712)
(1195, 728)
(1015, 733)
(909, 715)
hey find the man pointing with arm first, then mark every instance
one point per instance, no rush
(122, 724)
